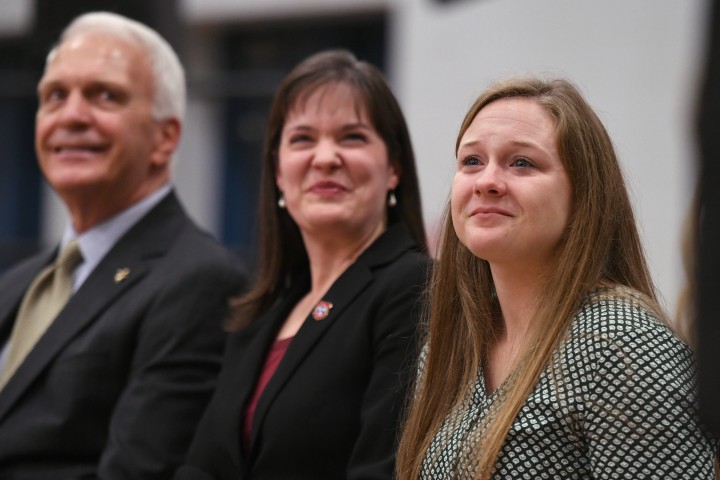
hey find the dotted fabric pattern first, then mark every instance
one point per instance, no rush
(618, 402)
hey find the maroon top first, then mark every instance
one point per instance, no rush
(276, 353)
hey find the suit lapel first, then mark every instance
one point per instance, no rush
(124, 266)
(258, 340)
(345, 289)
(82, 309)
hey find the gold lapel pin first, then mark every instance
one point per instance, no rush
(121, 274)
(321, 310)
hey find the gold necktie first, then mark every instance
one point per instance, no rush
(46, 296)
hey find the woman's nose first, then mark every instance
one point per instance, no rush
(326, 154)
(491, 181)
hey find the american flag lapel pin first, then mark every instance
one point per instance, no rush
(321, 310)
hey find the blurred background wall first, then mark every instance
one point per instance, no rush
(637, 62)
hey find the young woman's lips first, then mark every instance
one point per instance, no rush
(489, 212)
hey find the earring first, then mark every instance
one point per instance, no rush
(281, 201)
(392, 201)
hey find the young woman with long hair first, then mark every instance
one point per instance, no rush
(547, 354)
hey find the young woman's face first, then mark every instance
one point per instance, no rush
(333, 166)
(511, 196)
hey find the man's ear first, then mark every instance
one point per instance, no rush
(167, 138)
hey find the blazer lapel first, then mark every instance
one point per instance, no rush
(250, 348)
(126, 264)
(345, 289)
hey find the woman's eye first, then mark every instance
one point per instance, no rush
(299, 138)
(470, 161)
(522, 162)
(355, 137)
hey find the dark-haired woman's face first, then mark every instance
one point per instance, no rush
(333, 166)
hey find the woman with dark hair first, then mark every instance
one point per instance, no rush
(547, 354)
(315, 377)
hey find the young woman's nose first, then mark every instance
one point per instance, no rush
(491, 180)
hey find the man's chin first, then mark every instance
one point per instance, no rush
(75, 186)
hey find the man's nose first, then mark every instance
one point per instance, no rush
(75, 110)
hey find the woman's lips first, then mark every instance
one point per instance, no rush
(327, 188)
(489, 212)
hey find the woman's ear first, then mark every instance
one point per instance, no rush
(394, 179)
(278, 177)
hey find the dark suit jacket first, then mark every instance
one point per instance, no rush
(332, 408)
(115, 387)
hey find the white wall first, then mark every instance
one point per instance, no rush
(15, 16)
(258, 10)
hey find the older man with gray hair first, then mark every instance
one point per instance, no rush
(110, 343)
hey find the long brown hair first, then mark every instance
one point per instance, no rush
(281, 252)
(600, 244)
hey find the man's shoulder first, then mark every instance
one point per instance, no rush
(26, 266)
(169, 229)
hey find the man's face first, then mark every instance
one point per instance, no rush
(95, 137)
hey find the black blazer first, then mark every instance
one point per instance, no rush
(332, 408)
(115, 387)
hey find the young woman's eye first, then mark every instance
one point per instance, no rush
(470, 161)
(522, 162)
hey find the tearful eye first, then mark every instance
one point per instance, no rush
(522, 162)
(470, 161)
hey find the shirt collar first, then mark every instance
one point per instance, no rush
(96, 242)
